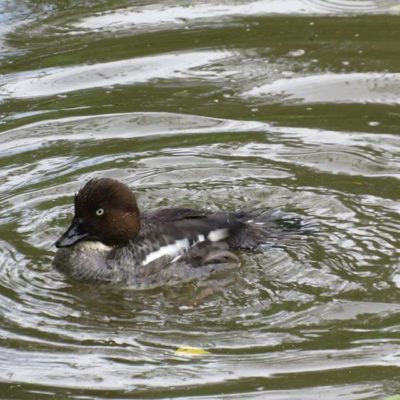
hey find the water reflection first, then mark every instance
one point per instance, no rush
(258, 110)
(334, 88)
(55, 81)
(160, 16)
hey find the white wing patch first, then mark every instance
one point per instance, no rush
(217, 235)
(174, 249)
(177, 248)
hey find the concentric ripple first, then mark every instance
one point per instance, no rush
(86, 337)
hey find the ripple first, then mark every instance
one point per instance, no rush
(52, 81)
(279, 305)
(331, 392)
(351, 153)
(11, 16)
(114, 126)
(380, 88)
(159, 17)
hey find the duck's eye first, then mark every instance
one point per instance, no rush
(99, 212)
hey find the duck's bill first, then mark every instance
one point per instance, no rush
(74, 234)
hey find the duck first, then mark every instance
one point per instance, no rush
(111, 241)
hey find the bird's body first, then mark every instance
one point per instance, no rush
(110, 241)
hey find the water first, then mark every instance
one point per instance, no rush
(293, 105)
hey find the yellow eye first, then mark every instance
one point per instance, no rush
(99, 212)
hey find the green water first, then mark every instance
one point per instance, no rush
(219, 105)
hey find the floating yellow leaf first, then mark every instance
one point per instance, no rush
(190, 351)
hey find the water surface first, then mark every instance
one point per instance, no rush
(218, 105)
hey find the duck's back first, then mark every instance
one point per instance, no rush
(244, 229)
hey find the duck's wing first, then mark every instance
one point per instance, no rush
(187, 235)
(244, 229)
(162, 215)
(194, 225)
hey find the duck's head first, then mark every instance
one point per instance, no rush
(106, 211)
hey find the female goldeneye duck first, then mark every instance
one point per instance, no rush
(110, 240)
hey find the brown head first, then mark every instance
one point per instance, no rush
(105, 210)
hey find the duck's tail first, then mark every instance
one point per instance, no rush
(269, 228)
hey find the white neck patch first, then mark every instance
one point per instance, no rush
(94, 246)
